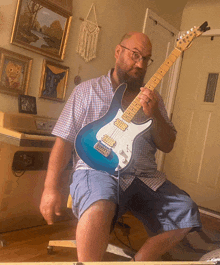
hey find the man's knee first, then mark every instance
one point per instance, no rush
(102, 210)
(177, 234)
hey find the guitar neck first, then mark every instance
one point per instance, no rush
(135, 105)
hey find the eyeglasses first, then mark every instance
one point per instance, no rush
(136, 57)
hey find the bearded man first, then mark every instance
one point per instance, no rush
(99, 198)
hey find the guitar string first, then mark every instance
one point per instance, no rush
(115, 132)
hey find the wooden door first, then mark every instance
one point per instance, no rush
(194, 162)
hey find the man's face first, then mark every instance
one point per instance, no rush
(128, 70)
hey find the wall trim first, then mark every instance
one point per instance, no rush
(211, 32)
(209, 213)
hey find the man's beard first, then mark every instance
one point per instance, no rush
(132, 82)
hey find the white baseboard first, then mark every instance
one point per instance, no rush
(210, 213)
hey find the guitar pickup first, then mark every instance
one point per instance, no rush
(102, 149)
(121, 125)
(108, 140)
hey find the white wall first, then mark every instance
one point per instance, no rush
(198, 11)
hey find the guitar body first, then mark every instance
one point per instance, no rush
(106, 144)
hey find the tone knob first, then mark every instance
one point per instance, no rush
(121, 152)
(124, 161)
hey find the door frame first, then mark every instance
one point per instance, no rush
(174, 73)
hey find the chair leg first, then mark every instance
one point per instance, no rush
(60, 243)
(2, 243)
(72, 244)
(120, 251)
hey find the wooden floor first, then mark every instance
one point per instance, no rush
(30, 245)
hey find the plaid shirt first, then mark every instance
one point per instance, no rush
(89, 101)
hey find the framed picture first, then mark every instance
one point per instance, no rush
(53, 81)
(27, 104)
(15, 72)
(42, 27)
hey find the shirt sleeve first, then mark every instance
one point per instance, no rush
(164, 112)
(72, 116)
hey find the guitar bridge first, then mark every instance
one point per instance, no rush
(102, 149)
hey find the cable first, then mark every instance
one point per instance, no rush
(122, 223)
(128, 246)
(125, 226)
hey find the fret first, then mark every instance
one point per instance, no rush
(168, 62)
(172, 58)
(165, 67)
(132, 110)
(155, 79)
(176, 52)
(126, 117)
(149, 87)
(152, 83)
(135, 107)
(162, 71)
(158, 75)
(136, 102)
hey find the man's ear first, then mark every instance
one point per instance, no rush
(117, 51)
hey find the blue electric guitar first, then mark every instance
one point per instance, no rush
(107, 143)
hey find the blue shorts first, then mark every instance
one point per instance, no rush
(166, 209)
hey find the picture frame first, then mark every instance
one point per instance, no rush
(27, 104)
(41, 27)
(53, 81)
(15, 70)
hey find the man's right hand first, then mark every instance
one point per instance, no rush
(50, 205)
(51, 199)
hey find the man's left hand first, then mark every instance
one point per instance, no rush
(148, 100)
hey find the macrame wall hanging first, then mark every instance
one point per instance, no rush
(88, 38)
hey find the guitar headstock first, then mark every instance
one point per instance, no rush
(185, 41)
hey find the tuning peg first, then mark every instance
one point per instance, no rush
(182, 36)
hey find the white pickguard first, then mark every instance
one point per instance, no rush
(123, 139)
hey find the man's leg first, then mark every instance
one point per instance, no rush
(94, 197)
(168, 209)
(158, 245)
(93, 229)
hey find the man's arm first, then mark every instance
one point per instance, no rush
(163, 134)
(51, 198)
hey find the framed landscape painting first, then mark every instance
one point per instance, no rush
(41, 27)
